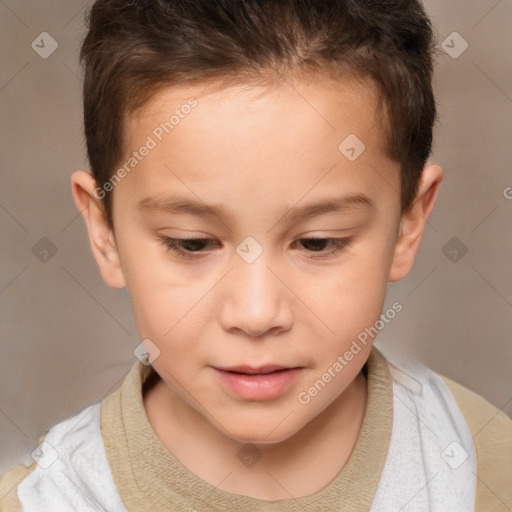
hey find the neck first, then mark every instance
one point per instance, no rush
(298, 466)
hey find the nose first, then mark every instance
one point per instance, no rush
(255, 300)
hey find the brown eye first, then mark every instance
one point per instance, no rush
(318, 245)
(187, 247)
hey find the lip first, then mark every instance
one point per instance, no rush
(257, 384)
(269, 368)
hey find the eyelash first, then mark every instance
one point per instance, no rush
(172, 245)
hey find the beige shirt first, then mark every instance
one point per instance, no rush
(149, 478)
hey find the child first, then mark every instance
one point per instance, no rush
(259, 175)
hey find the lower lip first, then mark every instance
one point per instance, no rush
(258, 387)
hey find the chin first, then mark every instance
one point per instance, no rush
(260, 432)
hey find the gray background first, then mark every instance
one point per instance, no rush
(67, 339)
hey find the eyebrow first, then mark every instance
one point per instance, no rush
(181, 205)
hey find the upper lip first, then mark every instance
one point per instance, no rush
(262, 370)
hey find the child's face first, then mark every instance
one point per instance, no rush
(258, 293)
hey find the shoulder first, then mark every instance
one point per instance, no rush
(8, 487)
(428, 431)
(491, 429)
(70, 470)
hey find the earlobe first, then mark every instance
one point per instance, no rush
(413, 223)
(101, 236)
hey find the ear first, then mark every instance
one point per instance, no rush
(413, 222)
(101, 237)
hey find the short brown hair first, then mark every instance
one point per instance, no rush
(133, 48)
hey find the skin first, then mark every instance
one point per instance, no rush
(256, 151)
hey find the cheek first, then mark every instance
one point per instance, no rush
(159, 292)
(165, 312)
(346, 297)
(352, 294)
(349, 304)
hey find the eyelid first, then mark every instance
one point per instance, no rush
(172, 245)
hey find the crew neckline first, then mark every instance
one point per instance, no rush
(149, 477)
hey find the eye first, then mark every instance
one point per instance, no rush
(315, 245)
(195, 247)
(186, 247)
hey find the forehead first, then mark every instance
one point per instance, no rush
(343, 105)
(252, 141)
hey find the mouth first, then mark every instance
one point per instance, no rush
(257, 384)
(262, 370)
